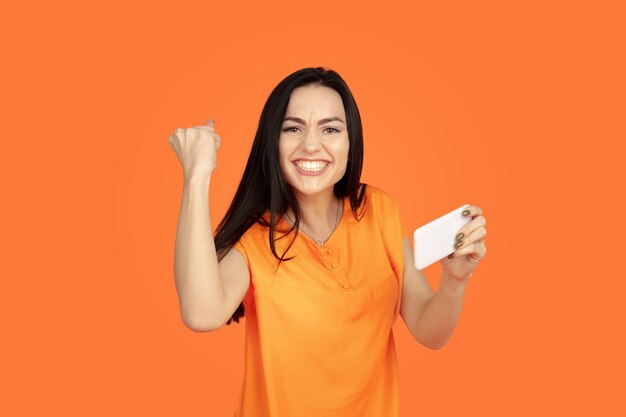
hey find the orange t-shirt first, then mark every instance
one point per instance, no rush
(319, 339)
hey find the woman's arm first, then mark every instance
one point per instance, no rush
(440, 316)
(430, 316)
(208, 292)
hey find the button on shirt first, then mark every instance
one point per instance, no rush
(319, 339)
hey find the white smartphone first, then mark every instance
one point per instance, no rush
(436, 239)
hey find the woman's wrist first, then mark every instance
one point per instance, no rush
(452, 285)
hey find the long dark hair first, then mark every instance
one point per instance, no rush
(262, 186)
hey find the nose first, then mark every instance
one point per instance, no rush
(311, 142)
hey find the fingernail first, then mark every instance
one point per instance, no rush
(451, 255)
(465, 212)
(458, 244)
(460, 236)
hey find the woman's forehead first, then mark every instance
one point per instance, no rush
(315, 100)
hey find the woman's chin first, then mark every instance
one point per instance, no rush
(312, 191)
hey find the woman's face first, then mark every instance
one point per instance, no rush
(313, 145)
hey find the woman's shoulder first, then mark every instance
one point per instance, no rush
(260, 229)
(384, 209)
(377, 196)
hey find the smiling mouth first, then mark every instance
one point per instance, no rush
(311, 166)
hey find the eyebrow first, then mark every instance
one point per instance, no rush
(321, 122)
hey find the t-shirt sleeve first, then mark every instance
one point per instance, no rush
(405, 230)
(394, 230)
(241, 245)
(397, 219)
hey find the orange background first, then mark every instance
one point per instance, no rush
(517, 108)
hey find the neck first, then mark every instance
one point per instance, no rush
(319, 213)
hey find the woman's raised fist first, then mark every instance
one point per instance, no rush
(196, 148)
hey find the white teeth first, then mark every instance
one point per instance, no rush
(311, 165)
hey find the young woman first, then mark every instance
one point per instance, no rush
(320, 264)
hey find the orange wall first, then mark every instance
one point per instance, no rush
(516, 108)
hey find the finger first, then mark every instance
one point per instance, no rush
(470, 227)
(218, 141)
(210, 123)
(472, 211)
(172, 141)
(476, 250)
(474, 236)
